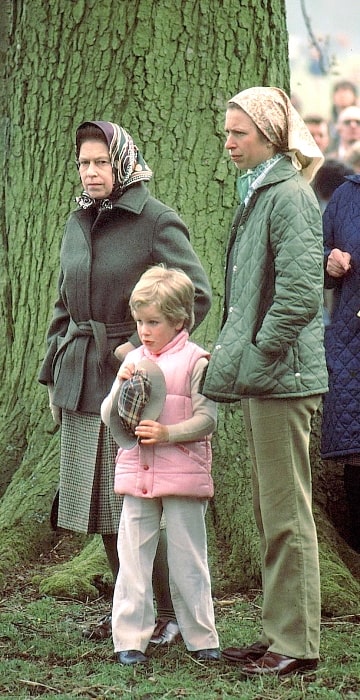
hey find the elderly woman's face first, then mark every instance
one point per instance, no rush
(246, 145)
(95, 169)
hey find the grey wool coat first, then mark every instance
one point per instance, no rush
(103, 255)
(271, 342)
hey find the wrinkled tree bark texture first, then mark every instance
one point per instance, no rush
(164, 70)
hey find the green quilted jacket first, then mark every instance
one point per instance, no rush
(271, 341)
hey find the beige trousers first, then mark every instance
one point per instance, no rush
(133, 617)
(278, 432)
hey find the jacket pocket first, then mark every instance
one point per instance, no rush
(57, 359)
(259, 373)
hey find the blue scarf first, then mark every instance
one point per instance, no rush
(246, 184)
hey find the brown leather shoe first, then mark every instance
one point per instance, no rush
(100, 630)
(277, 664)
(241, 655)
(165, 632)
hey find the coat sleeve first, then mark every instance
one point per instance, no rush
(295, 236)
(171, 245)
(58, 328)
(329, 227)
(108, 401)
(204, 418)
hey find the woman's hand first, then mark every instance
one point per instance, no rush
(121, 351)
(338, 263)
(150, 432)
(55, 410)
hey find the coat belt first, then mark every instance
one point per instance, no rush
(101, 332)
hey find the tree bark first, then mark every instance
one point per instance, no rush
(164, 70)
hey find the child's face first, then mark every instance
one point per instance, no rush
(153, 327)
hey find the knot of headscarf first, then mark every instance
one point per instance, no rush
(85, 201)
(273, 113)
(128, 164)
(126, 158)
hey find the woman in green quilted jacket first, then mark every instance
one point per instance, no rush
(270, 356)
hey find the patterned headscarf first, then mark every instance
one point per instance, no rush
(128, 164)
(271, 110)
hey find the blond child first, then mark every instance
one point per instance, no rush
(164, 466)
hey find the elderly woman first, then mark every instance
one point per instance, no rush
(115, 234)
(270, 355)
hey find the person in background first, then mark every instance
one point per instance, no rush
(117, 231)
(348, 128)
(328, 178)
(344, 94)
(340, 436)
(353, 157)
(319, 130)
(163, 467)
(270, 356)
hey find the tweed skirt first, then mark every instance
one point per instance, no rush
(87, 501)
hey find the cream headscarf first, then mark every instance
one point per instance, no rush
(271, 110)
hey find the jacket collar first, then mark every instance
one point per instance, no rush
(354, 178)
(176, 344)
(282, 170)
(133, 199)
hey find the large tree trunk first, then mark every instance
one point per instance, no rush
(164, 70)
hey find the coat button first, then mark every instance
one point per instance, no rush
(146, 467)
(144, 491)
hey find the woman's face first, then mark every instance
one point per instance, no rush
(246, 145)
(95, 169)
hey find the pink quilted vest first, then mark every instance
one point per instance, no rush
(169, 469)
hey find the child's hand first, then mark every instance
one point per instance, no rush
(151, 432)
(126, 371)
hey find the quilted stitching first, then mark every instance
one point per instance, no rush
(273, 343)
(341, 420)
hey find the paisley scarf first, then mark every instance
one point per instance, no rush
(128, 164)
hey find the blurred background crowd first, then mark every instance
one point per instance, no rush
(334, 26)
(324, 51)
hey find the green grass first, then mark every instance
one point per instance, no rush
(43, 655)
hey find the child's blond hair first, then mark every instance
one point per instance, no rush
(170, 289)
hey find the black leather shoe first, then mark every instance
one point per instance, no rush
(207, 654)
(131, 657)
(277, 664)
(242, 655)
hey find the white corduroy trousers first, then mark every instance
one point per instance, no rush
(133, 617)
